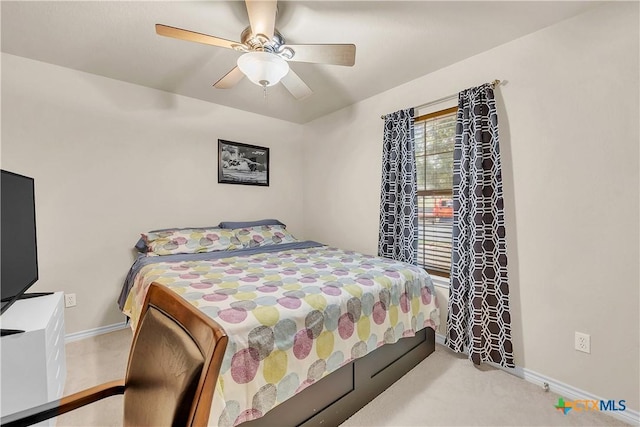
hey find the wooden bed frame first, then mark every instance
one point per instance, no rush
(333, 399)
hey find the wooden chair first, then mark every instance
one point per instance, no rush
(173, 367)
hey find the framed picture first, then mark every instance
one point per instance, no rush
(242, 163)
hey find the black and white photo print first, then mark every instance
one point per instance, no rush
(242, 163)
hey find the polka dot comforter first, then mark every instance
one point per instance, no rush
(293, 316)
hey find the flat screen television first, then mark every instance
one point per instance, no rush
(19, 253)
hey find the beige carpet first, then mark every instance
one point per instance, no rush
(443, 390)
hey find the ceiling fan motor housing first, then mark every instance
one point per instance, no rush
(259, 42)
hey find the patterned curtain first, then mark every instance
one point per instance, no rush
(479, 319)
(398, 237)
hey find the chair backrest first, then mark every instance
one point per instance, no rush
(174, 363)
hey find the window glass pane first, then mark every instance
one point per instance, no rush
(435, 137)
(421, 172)
(418, 133)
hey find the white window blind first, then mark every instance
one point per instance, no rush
(434, 138)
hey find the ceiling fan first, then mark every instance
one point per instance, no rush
(265, 53)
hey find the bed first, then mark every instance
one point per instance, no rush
(315, 332)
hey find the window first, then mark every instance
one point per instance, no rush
(434, 137)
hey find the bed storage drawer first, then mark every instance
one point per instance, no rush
(389, 354)
(311, 400)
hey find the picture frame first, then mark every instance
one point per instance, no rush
(243, 164)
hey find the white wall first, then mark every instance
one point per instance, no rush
(568, 111)
(112, 160)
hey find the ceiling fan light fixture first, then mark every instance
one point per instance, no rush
(263, 68)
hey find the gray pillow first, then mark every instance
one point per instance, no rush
(247, 224)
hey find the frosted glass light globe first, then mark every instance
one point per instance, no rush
(263, 68)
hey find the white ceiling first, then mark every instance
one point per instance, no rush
(397, 41)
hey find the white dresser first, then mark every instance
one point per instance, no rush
(33, 366)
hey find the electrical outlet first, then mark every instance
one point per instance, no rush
(69, 300)
(583, 342)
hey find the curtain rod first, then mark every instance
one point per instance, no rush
(446, 98)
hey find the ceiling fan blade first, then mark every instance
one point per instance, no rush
(295, 85)
(262, 16)
(336, 54)
(191, 36)
(230, 79)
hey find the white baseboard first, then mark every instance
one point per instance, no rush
(566, 391)
(94, 332)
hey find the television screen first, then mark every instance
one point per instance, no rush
(19, 260)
